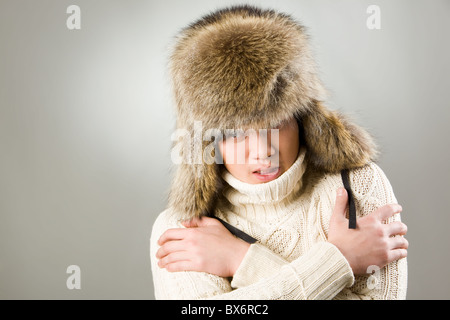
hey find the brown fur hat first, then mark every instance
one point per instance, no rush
(243, 66)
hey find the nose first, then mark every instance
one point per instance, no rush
(261, 148)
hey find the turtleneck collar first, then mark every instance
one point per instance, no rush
(269, 192)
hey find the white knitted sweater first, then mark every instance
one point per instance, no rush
(292, 259)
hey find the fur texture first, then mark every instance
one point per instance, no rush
(246, 67)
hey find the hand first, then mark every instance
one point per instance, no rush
(205, 245)
(373, 242)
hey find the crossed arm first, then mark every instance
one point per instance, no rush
(197, 260)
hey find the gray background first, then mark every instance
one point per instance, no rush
(86, 119)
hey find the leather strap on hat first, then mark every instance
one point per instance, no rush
(351, 201)
(351, 218)
(238, 233)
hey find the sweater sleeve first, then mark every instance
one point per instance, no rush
(258, 263)
(372, 190)
(319, 274)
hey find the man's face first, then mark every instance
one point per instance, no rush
(258, 156)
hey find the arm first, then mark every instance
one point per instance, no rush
(319, 274)
(372, 190)
(180, 285)
(365, 242)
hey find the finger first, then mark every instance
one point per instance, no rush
(174, 257)
(341, 204)
(396, 228)
(170, 247)
(172, 234)
(192, 223)
(185, 265)
(200, 222)
(398, 243)
(385, 212)
(397, 254)
(207, 221)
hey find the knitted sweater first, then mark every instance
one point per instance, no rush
(292, 259)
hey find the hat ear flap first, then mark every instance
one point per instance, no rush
(333, 142)
(195, 187)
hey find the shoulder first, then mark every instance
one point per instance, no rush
(369, 184)
(362, 179)
(371, 188)
(370, 172)
(369, 180)
(165, 220)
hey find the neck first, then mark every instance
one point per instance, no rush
(272, 192)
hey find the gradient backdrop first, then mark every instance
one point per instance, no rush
(86, 118)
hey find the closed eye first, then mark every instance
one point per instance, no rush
(236, 135)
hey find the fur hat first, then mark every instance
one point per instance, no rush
(243, 66)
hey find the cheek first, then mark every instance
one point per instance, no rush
(289, 145)
(234, 152)
(238, 170)
(229, 156)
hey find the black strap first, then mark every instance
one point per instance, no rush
(238, 233)
(351, 216)
(351, 201)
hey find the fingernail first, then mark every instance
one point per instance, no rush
(340, 192)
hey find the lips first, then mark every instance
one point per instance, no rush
(267, 174)
(266, 171)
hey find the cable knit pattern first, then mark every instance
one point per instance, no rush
(292, 259)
